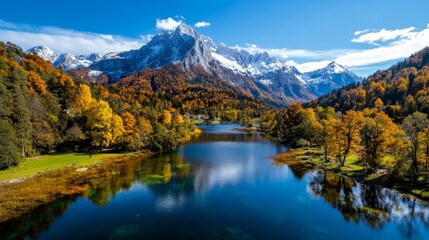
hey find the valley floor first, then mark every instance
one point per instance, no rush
(305, 159)
(37, 165)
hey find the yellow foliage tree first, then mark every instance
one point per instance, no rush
(144, 126)
(314, 126)
(36, 82)
(141, 132)
(165, 118)
(333, 139)
(99, 123)
(379, 136)
(129, 123)
(346, 135)
(378, 103)
(82, 101)
(178, 118)
(117, 128)
(424, 146)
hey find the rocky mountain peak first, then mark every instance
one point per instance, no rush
(44, 52)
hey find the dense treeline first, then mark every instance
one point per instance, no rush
(201, 93)
(383, 120)
(43, 109)
(381, 144)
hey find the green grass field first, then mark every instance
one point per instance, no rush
(32, 166)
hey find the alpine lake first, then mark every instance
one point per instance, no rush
(224, 185)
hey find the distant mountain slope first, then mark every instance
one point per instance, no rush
(333, 76)
(199, 92)
(66, 61)
(403, 89)
(270, 79)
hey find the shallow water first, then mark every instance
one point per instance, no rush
(224, 186)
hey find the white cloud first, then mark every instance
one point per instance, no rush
(365, 36)
(310, 66)
(399, 49)
(293, 53)
(65, 40)
(168, 24)
(361, 32)
(202, 24)
(107, 37)
(146, 38)
(398, 44)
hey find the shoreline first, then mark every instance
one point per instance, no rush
(309, 159)
(64, 160)
(73, 178)
(19, 197)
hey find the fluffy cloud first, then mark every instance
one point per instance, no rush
(146, 38)
(366, 36)
(409, 42)
(361, 32)
(202, 24)
(168, 24)
(66, 40)
(107, 37)
(397, 44)
(294, 53)
(310, 66)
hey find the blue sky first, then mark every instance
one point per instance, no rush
(309, 32)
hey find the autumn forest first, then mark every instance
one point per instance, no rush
(45, 110)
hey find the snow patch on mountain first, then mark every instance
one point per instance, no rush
(253, 64)
(266, 81)
(94, 73)
(299, 77)
(45, 53)
(230, 64)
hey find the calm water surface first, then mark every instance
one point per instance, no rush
(223, 186)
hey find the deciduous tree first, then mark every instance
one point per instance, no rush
(99, 123)
(414, 125)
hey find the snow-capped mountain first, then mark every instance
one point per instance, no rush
(184, 46)
(245, 62)
(324, 80)
(256, 73)
(66, 61)
(45, 53)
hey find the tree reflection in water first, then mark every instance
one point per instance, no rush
(222, 166)
(149, 171)
(370, 204)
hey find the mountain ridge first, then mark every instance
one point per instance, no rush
(257, 73)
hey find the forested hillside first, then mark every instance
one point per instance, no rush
(383, 121)
(400, 90)
(44, 110)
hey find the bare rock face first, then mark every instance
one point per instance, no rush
(183, 45)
